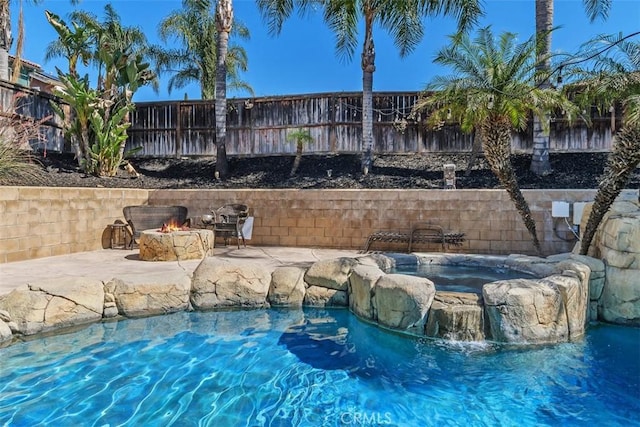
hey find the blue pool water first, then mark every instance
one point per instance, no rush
(460, 278)
(311, 368)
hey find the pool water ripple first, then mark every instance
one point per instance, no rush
(310, 368)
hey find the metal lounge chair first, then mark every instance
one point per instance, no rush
(228, 221)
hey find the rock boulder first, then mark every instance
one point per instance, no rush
(528, 311)
(218, 283)
(287, 287)
(361, 290)
(56, 303)
(317, 296)
(402, 302)
(456, 316)
(148, 294)
(331, 273)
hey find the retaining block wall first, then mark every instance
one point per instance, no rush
(40, 222)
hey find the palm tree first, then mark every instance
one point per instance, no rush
(617, 78)
(224, 23)
(402, 19)
(6, 38)
(493, 92)
(301, 137)
(206, 57)
(193, 27)
(544, 24)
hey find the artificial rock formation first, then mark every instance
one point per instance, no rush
(402, 302)
(331, 274)
(456, 316)
(55, 304)
(218, 283)
(549, 309)
(619, 246)
(5, 330)
(524, 310)
(361, 291)
(149, 294)
(318, 296)
(287, 287)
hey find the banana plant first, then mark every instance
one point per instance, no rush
(110, 135)
(98, 121)
(81, 99)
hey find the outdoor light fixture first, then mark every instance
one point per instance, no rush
(490, 104)
(450, 176)
(559, 79)
(449, 114)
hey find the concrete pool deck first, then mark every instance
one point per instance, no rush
(107, 263)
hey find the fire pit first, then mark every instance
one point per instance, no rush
(175, 243)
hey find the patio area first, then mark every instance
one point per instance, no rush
(107, 263)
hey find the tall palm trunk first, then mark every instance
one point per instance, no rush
(368, 67)
(5, 39)
(622, 161)
(224, 21)
(544, 23)
(496, 135)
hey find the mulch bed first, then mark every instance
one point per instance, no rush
(570, 171)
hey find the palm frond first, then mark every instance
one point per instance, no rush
(342, 18)
(403, 21)
(275, 12)
(597, 9)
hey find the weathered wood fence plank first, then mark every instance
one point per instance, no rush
(259, 126)
(27, 104)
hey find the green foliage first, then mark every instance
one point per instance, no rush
(614, 77)
(493, 90)
(15, 163)
(193, 29)
(611, 76)
(97, 122)
(492, 77)
(109, 136)
(16, 135)
(300, 137)
(81, 100)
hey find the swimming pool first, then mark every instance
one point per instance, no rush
(311, 367)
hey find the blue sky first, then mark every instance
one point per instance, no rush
(302, 59)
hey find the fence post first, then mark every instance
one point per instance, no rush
(332, 131)
(178, 130)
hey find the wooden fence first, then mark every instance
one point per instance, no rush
(259, 126)
(22, 103)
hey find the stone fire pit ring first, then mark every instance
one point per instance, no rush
(156, 245)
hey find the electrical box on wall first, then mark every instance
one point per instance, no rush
(578, 208)
(560, 209)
